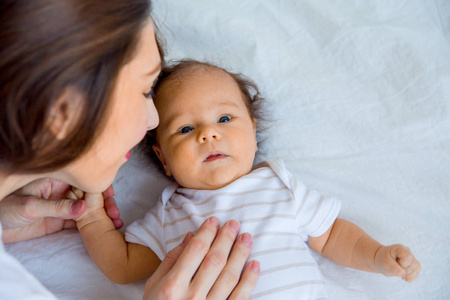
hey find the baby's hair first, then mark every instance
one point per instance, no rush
(181, 70)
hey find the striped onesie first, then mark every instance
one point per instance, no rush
(271, 204)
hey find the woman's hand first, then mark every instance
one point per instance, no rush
(202, 267)
(41, 208)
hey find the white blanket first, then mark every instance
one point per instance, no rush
(359, 99)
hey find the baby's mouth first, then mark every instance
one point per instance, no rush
(214, 155)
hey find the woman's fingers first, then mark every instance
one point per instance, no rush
(216, 260)
(196, 250)
(63, 209)
(203, 267)
(111, 208)
(109, 192)
(247, 282)
(113, 211)
(69, 224)
(170, 259)
(230, 275)
(161, 276)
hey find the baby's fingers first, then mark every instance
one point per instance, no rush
(403, 256)
(392, 268)
(408, 262)
(71, 195)
(413, 271)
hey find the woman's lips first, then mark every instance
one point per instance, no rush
(128, 155)
(214, 155)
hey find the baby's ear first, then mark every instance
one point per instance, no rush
(161, 158)
(255, 123)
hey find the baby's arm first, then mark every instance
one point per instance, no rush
(347, 244)
(120, 261)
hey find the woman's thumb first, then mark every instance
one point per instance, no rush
(63, 209)
(77, 208)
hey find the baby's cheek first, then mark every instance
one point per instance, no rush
(184, 178)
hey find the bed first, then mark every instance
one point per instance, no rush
(358, 95)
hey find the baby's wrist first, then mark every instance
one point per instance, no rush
(377, 262)
(98, 215)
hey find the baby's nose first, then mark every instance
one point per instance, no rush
(208, 133)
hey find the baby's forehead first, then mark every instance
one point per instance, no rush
(195, 75)
(204, 72)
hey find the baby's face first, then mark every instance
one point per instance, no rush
(206, 137)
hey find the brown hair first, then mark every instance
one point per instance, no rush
(179, 69)
(48, 47)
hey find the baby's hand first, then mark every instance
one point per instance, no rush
(397, 260)
(94, 202)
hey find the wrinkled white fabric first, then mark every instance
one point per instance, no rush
(358, 98)
(16, 282)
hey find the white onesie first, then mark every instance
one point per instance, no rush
(270, 203)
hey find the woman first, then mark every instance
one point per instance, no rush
(75, 95)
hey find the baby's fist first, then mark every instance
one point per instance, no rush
(397, 260)
(94, 201)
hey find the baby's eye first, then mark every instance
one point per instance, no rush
(185, 129)
(224, 119)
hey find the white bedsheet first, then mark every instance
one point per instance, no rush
(359, 96)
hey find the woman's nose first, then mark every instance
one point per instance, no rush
(208, 133)
(153, 118)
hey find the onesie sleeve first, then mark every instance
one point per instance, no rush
(148, 231)
(314, 212)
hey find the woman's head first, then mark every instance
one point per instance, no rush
(207, 135)
(73, 74)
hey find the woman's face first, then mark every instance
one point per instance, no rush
(130, 115)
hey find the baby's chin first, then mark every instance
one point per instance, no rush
(212, 182)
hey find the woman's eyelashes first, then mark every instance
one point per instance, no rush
(151, 93)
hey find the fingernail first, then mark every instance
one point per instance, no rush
(214, 221)
(255, 266)
(247, 239)
(234, 225)
(76, 206)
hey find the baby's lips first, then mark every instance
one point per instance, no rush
(214, 155)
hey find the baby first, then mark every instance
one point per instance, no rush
(206, 142)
